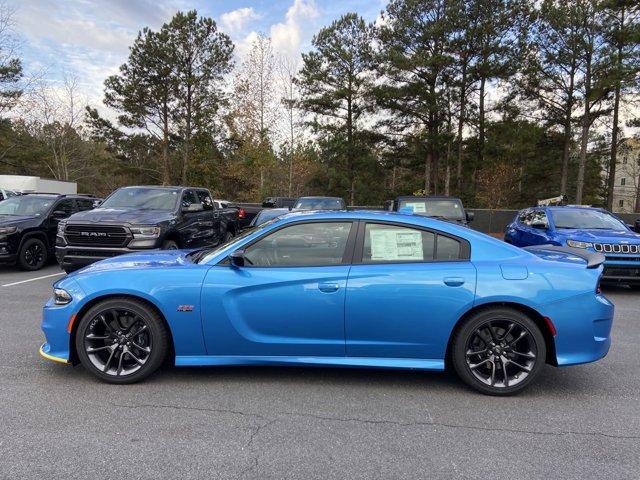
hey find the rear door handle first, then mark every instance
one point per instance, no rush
(328, 287)
(454, 281)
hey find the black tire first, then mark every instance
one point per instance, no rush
(113, 347)
(491, 351)
(33, 255)
(170, 245)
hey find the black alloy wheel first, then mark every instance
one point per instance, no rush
(121, 340)
(33, 254)
(499, 351)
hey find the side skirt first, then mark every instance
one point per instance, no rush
(366, 362)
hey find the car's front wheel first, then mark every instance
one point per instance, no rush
(33, 254)
(498, 351)
(121, 340)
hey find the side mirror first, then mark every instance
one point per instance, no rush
(470, 216)
(97, 203)
(194, 207)
(58, 214)
(237, 258)
(539, 225)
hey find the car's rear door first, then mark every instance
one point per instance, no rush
(406, 289)
(288, 299)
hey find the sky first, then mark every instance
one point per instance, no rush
(89, 39)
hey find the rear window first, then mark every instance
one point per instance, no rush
(444, 208)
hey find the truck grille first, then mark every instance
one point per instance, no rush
(96, 235)
(616, 248)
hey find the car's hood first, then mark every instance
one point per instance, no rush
(6, 220)
(143, 260)
(600, 236)
(121, 215)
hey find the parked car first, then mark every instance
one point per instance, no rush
(342, 289)
(142, 218)
(28, 225)
(435, 206)
(320, 203)
(4, 194)
(268, 214)
(279, 202)
(582, 228)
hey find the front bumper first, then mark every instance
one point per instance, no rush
(76, 257)
(8, 254)
(625, 272)
(43, 351)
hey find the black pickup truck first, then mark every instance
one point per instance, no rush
(137, 218)
(436, 206)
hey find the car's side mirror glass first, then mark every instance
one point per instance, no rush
(539, 225)
(470, 216)
(194, 207)
(237, 258)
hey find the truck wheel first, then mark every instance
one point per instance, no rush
(228, 236)
(169, 245)
(32, 255)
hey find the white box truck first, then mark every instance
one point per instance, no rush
(26, 184)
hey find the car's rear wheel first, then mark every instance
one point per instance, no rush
(33, 254)
(498, 351)
(121, 340)
(228, 236)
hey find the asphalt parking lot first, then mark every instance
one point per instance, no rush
(59, 422)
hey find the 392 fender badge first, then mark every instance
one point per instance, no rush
(185, 308)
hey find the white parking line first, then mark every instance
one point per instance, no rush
(32, 279)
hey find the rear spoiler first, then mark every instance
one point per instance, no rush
(593, 259)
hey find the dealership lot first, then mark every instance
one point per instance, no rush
(58, 421)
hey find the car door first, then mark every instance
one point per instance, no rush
(190, 220)
(210, 220)
(407, 287)
(288, 299)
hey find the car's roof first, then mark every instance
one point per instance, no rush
(574, 207)
(165, 187)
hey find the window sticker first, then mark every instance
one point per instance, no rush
(398, 244)
(418, 207)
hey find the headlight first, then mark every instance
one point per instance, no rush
(144, 231)
(7, 230)
(579, 244)
(61, 297)
(61, 226)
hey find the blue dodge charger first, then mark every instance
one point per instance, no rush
(340, 289)
(591, 229)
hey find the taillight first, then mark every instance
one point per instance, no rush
(241, 213)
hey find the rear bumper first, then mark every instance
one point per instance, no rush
(583, 329)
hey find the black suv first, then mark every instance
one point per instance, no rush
(28, 225)
(148, 217)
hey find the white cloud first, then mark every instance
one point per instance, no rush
(286, 36)
(235, 20)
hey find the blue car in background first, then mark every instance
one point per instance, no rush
(340, 289)
(585, 228)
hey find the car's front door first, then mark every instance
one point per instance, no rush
(62, 209)
(209, 220)
(406, 290)
(288, 299)
(190, 220)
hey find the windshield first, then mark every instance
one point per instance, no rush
(266, 215)
(203, 256)
(311, 203)
(434, 208)
(26, 205)
(586, 219)
(143, 199)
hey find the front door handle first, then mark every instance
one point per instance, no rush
(454, 281)
(328, 287)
